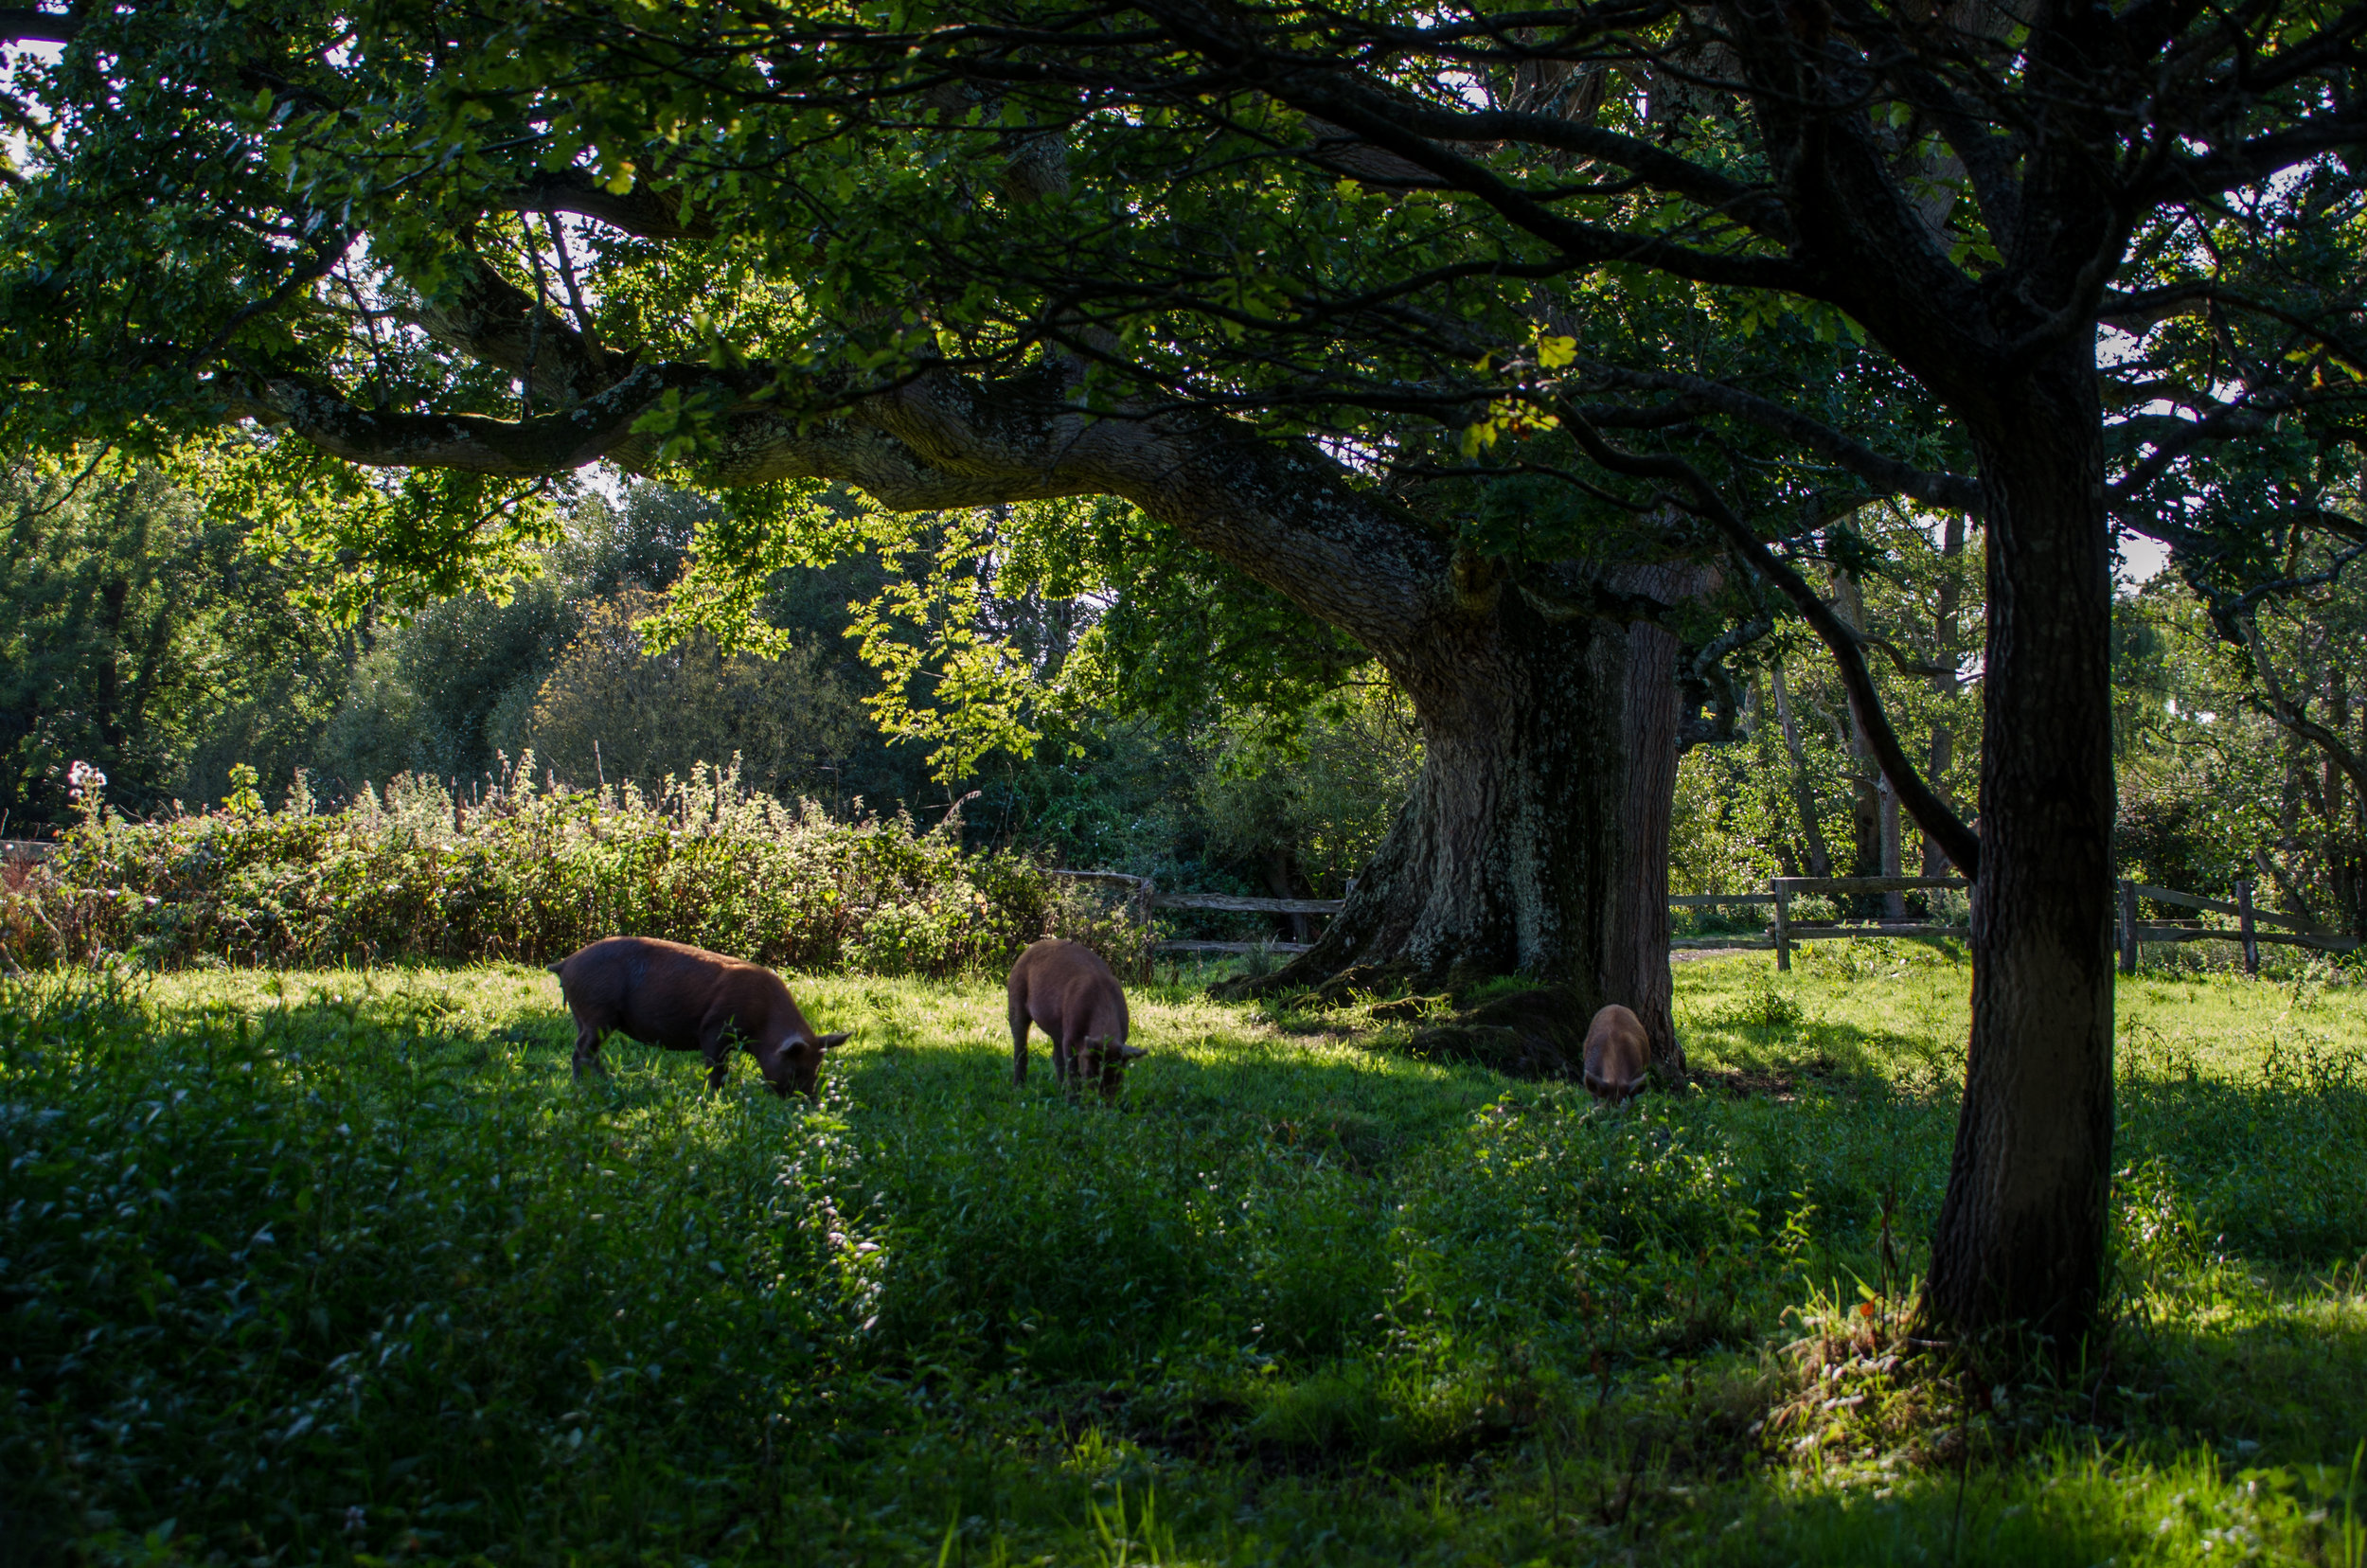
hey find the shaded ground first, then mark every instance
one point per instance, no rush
(340, 1265)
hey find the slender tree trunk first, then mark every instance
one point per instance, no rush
(2021, 1236)
(1536, 838)
(1637, 970)
(1865, 775)
(105, 705)
(1946, 652)
(1787, 863)
(2346, 850)
(1282, 882)
(1893, 902)
(1802, 791)
(1935, 861)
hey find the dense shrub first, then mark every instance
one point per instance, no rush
(530, 874)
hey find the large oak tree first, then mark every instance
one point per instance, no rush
(1528, 348)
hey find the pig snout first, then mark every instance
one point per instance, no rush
(1103, 1062)
(794, 1066)
(1618, 1055)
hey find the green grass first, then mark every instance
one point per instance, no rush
(341, 1266)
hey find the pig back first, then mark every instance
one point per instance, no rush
(1069, 992)
(1617, 1053)
(662, 993)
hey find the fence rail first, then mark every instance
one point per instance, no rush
(2298, 932)
(1864, 884)
(1230, 903)
(1146, 897)
(2241, 908)
(1782, 933)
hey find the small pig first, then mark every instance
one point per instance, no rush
(1618, 1054)
(1068, 991)
(688, 999)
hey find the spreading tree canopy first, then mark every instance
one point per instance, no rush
(1526, 349)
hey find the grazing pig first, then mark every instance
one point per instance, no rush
(688, 999)
(1618, 1054)
(1067, 990)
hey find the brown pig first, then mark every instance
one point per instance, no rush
(688, 999)
(1068, 991)
(1618, 1054)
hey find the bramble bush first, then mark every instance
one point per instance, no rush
(517, 872)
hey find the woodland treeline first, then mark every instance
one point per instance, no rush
(159, 642)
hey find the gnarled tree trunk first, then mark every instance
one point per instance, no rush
(1536, 838)
(2021, 1236)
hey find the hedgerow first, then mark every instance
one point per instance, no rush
(528, 874)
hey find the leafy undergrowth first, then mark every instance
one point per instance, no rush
(522, 873)
(340, 1266)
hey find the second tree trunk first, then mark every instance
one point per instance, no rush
(1536, 838)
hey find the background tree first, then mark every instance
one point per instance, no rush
(1801, 781)
(2217, 786)
(612, 713)
(142, 635)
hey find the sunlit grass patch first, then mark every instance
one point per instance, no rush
(343, 1263)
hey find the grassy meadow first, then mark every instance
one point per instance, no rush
(340, 1266)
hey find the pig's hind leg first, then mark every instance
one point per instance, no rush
(1019, 1038)
(588, 1049)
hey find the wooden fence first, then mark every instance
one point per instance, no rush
(1143, 897)
(2248, 919)
(1782, 933)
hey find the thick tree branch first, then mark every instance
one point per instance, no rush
(39, 26)
(1284, 514)
(489, 318)
(1930, 813)
(1960, 492)
(644, 212)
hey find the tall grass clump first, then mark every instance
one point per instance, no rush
(524, 873)
(339, 1287)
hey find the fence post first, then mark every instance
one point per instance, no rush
(2128, 925)
(1783, 923)
(2243, 917)
(1138, 910)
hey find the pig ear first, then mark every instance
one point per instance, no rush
(829, 1039)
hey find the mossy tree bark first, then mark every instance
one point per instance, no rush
(1535, 839)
